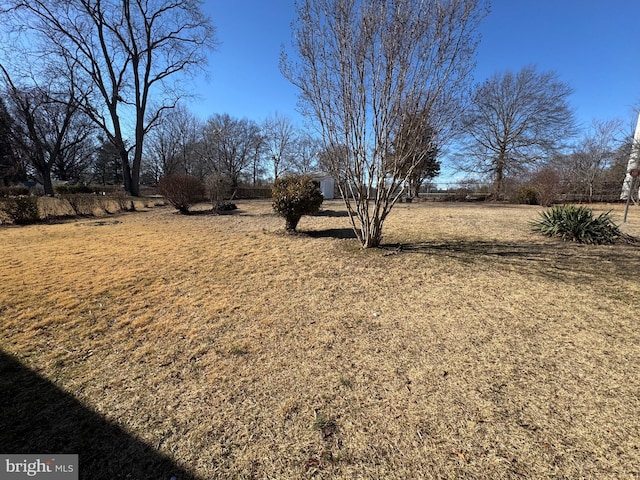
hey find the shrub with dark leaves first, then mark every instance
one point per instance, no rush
(294, 196)
(578, 224)
(226, 207)
(65, 189)
(21, 210)
(527, 195)
(13, 191)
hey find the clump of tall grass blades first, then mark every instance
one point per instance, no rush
(578, 224)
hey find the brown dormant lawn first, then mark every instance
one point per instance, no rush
(467, 348)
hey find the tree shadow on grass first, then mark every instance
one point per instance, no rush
(37, 417)
(340, 233)
(548, 259)
(211, 212)
(331, 213)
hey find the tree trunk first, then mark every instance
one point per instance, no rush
(137, 152)
(47, 184)
(292, 223)
(130, 181)
(135, 181)
(499, 182)
(126, 175)
(372, 234)
(414, 187)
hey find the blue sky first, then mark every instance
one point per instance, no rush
(591, 44)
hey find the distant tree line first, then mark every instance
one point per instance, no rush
(385, 84)
(42, 138)
(519, 130)
(237, 151)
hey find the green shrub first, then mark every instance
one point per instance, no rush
(73, 189)
(21, 210)
(13, 191)
(294, 196)
(181, 191)
(226, 207)
(578, 224)
(527, 195)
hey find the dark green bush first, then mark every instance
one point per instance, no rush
(294, 196)
(578, 224)
(226, 207)
(73, 189)
(181, 191)
(527, 195)
(21, 210)
(13, 191)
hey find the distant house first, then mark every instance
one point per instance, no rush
(327, 184)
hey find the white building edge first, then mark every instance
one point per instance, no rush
(327, 184)
(634, 164)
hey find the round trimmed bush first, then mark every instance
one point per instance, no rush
(527, 195)
(294, 196)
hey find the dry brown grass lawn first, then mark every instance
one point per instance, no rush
(467, 348)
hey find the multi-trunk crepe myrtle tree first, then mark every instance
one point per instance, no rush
(366, 70)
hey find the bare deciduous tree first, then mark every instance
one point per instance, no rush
(279, 143)
(364, 66)
(130, 51)
(306, 155)
(514, 121)
(50, 128)
(174, 144)
(232, 147)
(594, 154)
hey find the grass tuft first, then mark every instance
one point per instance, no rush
(238, 350)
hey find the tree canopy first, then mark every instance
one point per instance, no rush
(515, 120)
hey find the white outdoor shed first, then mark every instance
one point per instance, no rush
(327, 185)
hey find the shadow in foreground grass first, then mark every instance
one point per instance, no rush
(37, 417)
(547, 259)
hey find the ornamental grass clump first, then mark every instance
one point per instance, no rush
(578, 224)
